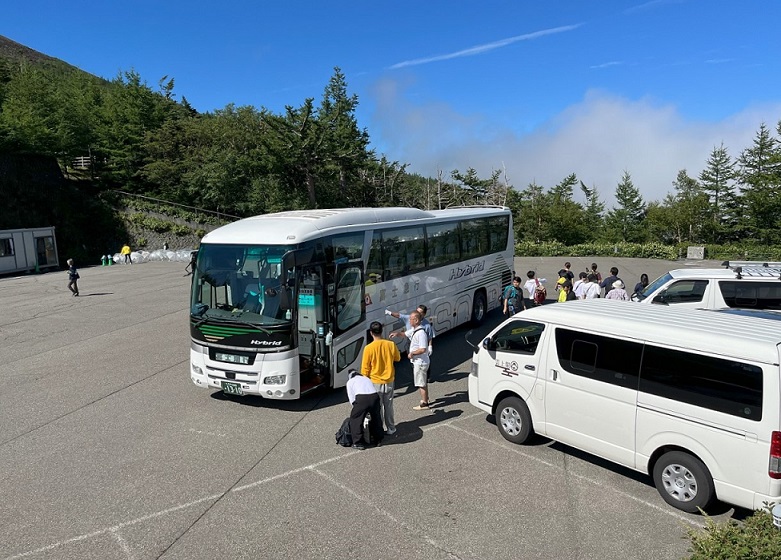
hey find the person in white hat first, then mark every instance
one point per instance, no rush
(618, 292)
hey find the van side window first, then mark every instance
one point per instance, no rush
(685, 291)
(610, 360)
(521, 337)
(752, 295)
(722, 385)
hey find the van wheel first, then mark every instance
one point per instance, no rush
(683, 481)
(513, 420)
(479, 309)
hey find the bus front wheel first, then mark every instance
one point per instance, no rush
(479, 309)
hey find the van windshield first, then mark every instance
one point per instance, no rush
(655, 285)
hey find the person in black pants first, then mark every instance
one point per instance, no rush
(363, 396)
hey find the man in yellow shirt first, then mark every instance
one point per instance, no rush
(378, 365)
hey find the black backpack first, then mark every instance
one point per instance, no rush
(343, 436)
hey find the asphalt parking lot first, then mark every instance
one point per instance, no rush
(108, 451)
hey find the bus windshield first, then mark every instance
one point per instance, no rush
(239, 283)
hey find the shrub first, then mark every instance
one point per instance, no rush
(756, 538)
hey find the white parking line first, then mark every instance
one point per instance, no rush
(669, 511)
(408, 529)
(315, 468)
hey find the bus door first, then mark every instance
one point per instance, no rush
(348, 319)
(312, 324)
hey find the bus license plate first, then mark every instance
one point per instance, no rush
(231, 388)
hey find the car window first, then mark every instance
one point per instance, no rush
(520, 337)
(685, 291)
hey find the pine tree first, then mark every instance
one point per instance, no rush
(625, 221)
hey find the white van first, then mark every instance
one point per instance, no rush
(748, 287)
(688, 397)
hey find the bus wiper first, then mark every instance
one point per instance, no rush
(218, 319)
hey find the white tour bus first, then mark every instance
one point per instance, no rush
(687, 396)
(281, 303)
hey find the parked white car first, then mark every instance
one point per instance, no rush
(749, 287)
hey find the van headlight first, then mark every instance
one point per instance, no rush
(275, 380)
(196, 369)
(473, 369)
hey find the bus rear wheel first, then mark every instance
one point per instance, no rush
(479, 309)
(683, 481)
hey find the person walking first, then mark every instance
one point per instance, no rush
(365, 400)
(419, 357)
(377, 364)
(513, 297)
(608, 282)
(595, 272)
(580, 285)
(126, 252)
(591, 289)
(617, 292)
(73, 278)
(532, 286)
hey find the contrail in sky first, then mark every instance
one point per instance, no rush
(479, 49)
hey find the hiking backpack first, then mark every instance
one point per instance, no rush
(540, 293)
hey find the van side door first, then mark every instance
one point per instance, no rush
(591, 393)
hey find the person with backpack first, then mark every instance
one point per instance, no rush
(425, 324)
(419, 358)
(590, 289)
(513, 298)
(537, 292)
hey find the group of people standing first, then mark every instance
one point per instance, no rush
(370, 391)
(589, 285)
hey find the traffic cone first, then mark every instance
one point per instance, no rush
(110, 260)
(103, 260)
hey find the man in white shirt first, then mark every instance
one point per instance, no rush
(418, 356)
(591, 288)
(363, 396)
(531, 285)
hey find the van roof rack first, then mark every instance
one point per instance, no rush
(757, 272)
(750, 264)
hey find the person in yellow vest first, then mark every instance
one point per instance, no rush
(126, 251)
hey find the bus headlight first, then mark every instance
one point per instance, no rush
(275, 380)
(196, 369)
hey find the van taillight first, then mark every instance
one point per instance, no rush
(774, 470)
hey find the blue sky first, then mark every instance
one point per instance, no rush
(536, 89)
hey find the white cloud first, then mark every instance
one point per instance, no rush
(598, 139)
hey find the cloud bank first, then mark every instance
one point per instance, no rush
(598, 139)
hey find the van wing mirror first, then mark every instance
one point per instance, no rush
(661, 298)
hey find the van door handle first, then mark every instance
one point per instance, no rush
(529, 367)
(554, 375)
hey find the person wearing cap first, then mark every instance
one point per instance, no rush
(618, 292)
(377, 364)
(365, 400)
